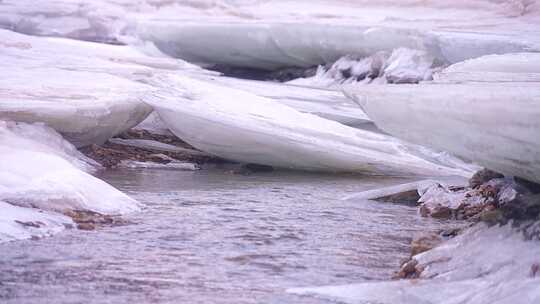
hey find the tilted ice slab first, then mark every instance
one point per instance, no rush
(329, 104)
(496, 125)
(482, 266)
(87, 91)
(41, 170)
(17, 223)
(513, 67)
(244, 127)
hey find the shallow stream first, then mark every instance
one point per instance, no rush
(211, 236)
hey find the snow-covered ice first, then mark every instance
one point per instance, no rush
(482, 266)
(17, 223)
(244, 127)
(496, 125)
(41, 170)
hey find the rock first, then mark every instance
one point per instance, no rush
(409, 270)
(424, 243)
(525, 207)
(410, 197)
(531, 186)
(441, 212)
(482, 177)
(491, 217)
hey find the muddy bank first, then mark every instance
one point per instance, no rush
(489, 198)
(112, 154)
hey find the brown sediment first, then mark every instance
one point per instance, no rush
(89, 220)
(110, 155)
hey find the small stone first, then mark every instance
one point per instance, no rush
(424, 243)
(407, 197)
(86, 226)
(441, 212)
(491, 217)
(410, 266)
(482, 177)
(424, 211)
(408, 270)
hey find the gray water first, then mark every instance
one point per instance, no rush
(215, 237)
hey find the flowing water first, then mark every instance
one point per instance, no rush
(214, 237)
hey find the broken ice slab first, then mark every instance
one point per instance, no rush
(496, 125)
(247, 128)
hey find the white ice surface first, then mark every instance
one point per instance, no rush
(17, 223)
(174, 165)
(326, 103)
(87, 91)
(271, 34)
(41, 170)
(496, 125)
(244, 127)
(512, 67)
(482, 266)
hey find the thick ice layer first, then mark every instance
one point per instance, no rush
(265, 34)
(244, 127)
(18, 223)
(87, 91)
(483, 266)
(41, 170)
(496, 125)
(513, 67)
(276, 45)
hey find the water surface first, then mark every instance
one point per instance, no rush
(215, 237)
